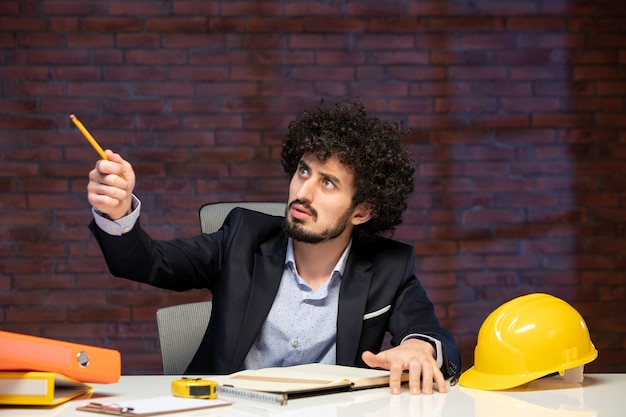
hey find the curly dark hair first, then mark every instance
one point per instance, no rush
(372, 148)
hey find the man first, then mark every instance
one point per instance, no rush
(322, 284)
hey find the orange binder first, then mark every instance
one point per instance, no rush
(84, 363)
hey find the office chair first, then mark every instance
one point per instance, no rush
(181, 327)
(212, 215)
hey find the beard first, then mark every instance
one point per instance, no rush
(294, 229)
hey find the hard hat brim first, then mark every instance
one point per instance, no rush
(473, 378)
(478, 380)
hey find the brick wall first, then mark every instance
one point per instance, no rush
(518, 117)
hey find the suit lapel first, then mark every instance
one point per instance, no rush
(268, 271)
(352, 302)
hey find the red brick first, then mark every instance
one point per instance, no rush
(536, 24)
(112, 24)
(395, 23)
(317, 41)
(263, 122)
(77, 73)
(107, 57)
(553, 40)
(30, 314)
(177, 24)
(275, 24)
(250, 8)
(169, 89)
(59, 57)
(64, 23)
(556, 215)
(64, 7)
(156, 56)
(493, 216)
(142, 8)
(10, 7)
(193, 8)
(452, 263)
(15, 57)
(102, 281)
(30, 73)
(599, 104)
(384, 41)
(40, 40)
(133, 73)
(489, 41)
(94, 313)
(107, 89)
(461, 24)
(53, 105)
(227, 24)
(22, 24)
(436, 8)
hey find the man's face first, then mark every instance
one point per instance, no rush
(320, 201)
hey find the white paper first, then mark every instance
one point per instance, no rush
(166, 403)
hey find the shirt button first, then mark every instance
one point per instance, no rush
(295, 344)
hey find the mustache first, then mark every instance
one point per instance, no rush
(306, 205)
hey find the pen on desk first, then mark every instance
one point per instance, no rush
(455, 379)
(268, 397)
(88, 136)
(115, 408)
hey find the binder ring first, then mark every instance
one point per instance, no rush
(83, 359)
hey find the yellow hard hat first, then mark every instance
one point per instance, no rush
(527, 338)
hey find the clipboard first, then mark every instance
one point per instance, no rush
(153, 406)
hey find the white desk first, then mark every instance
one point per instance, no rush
(600, 395)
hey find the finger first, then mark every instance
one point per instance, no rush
(117, 158)
(102, 202)
(125, 168)
(415, 376)
(112, 190)
(395, 377)
(440, 381)
(374, 361)
(427, 377)
(104, 167)
(103, 196)
(98, 178)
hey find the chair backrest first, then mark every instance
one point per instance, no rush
(212, 215)
(181, 328)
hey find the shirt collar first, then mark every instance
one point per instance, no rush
(338, 270)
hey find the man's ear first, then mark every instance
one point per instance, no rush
(362, 214)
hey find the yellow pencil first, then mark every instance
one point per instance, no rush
(88, 136)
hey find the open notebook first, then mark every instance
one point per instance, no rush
(309, 379)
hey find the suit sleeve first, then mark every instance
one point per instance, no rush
(414, 313)
(179, 265)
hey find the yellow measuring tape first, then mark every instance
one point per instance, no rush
(194, 388)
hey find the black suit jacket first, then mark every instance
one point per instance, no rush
(242, 265)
